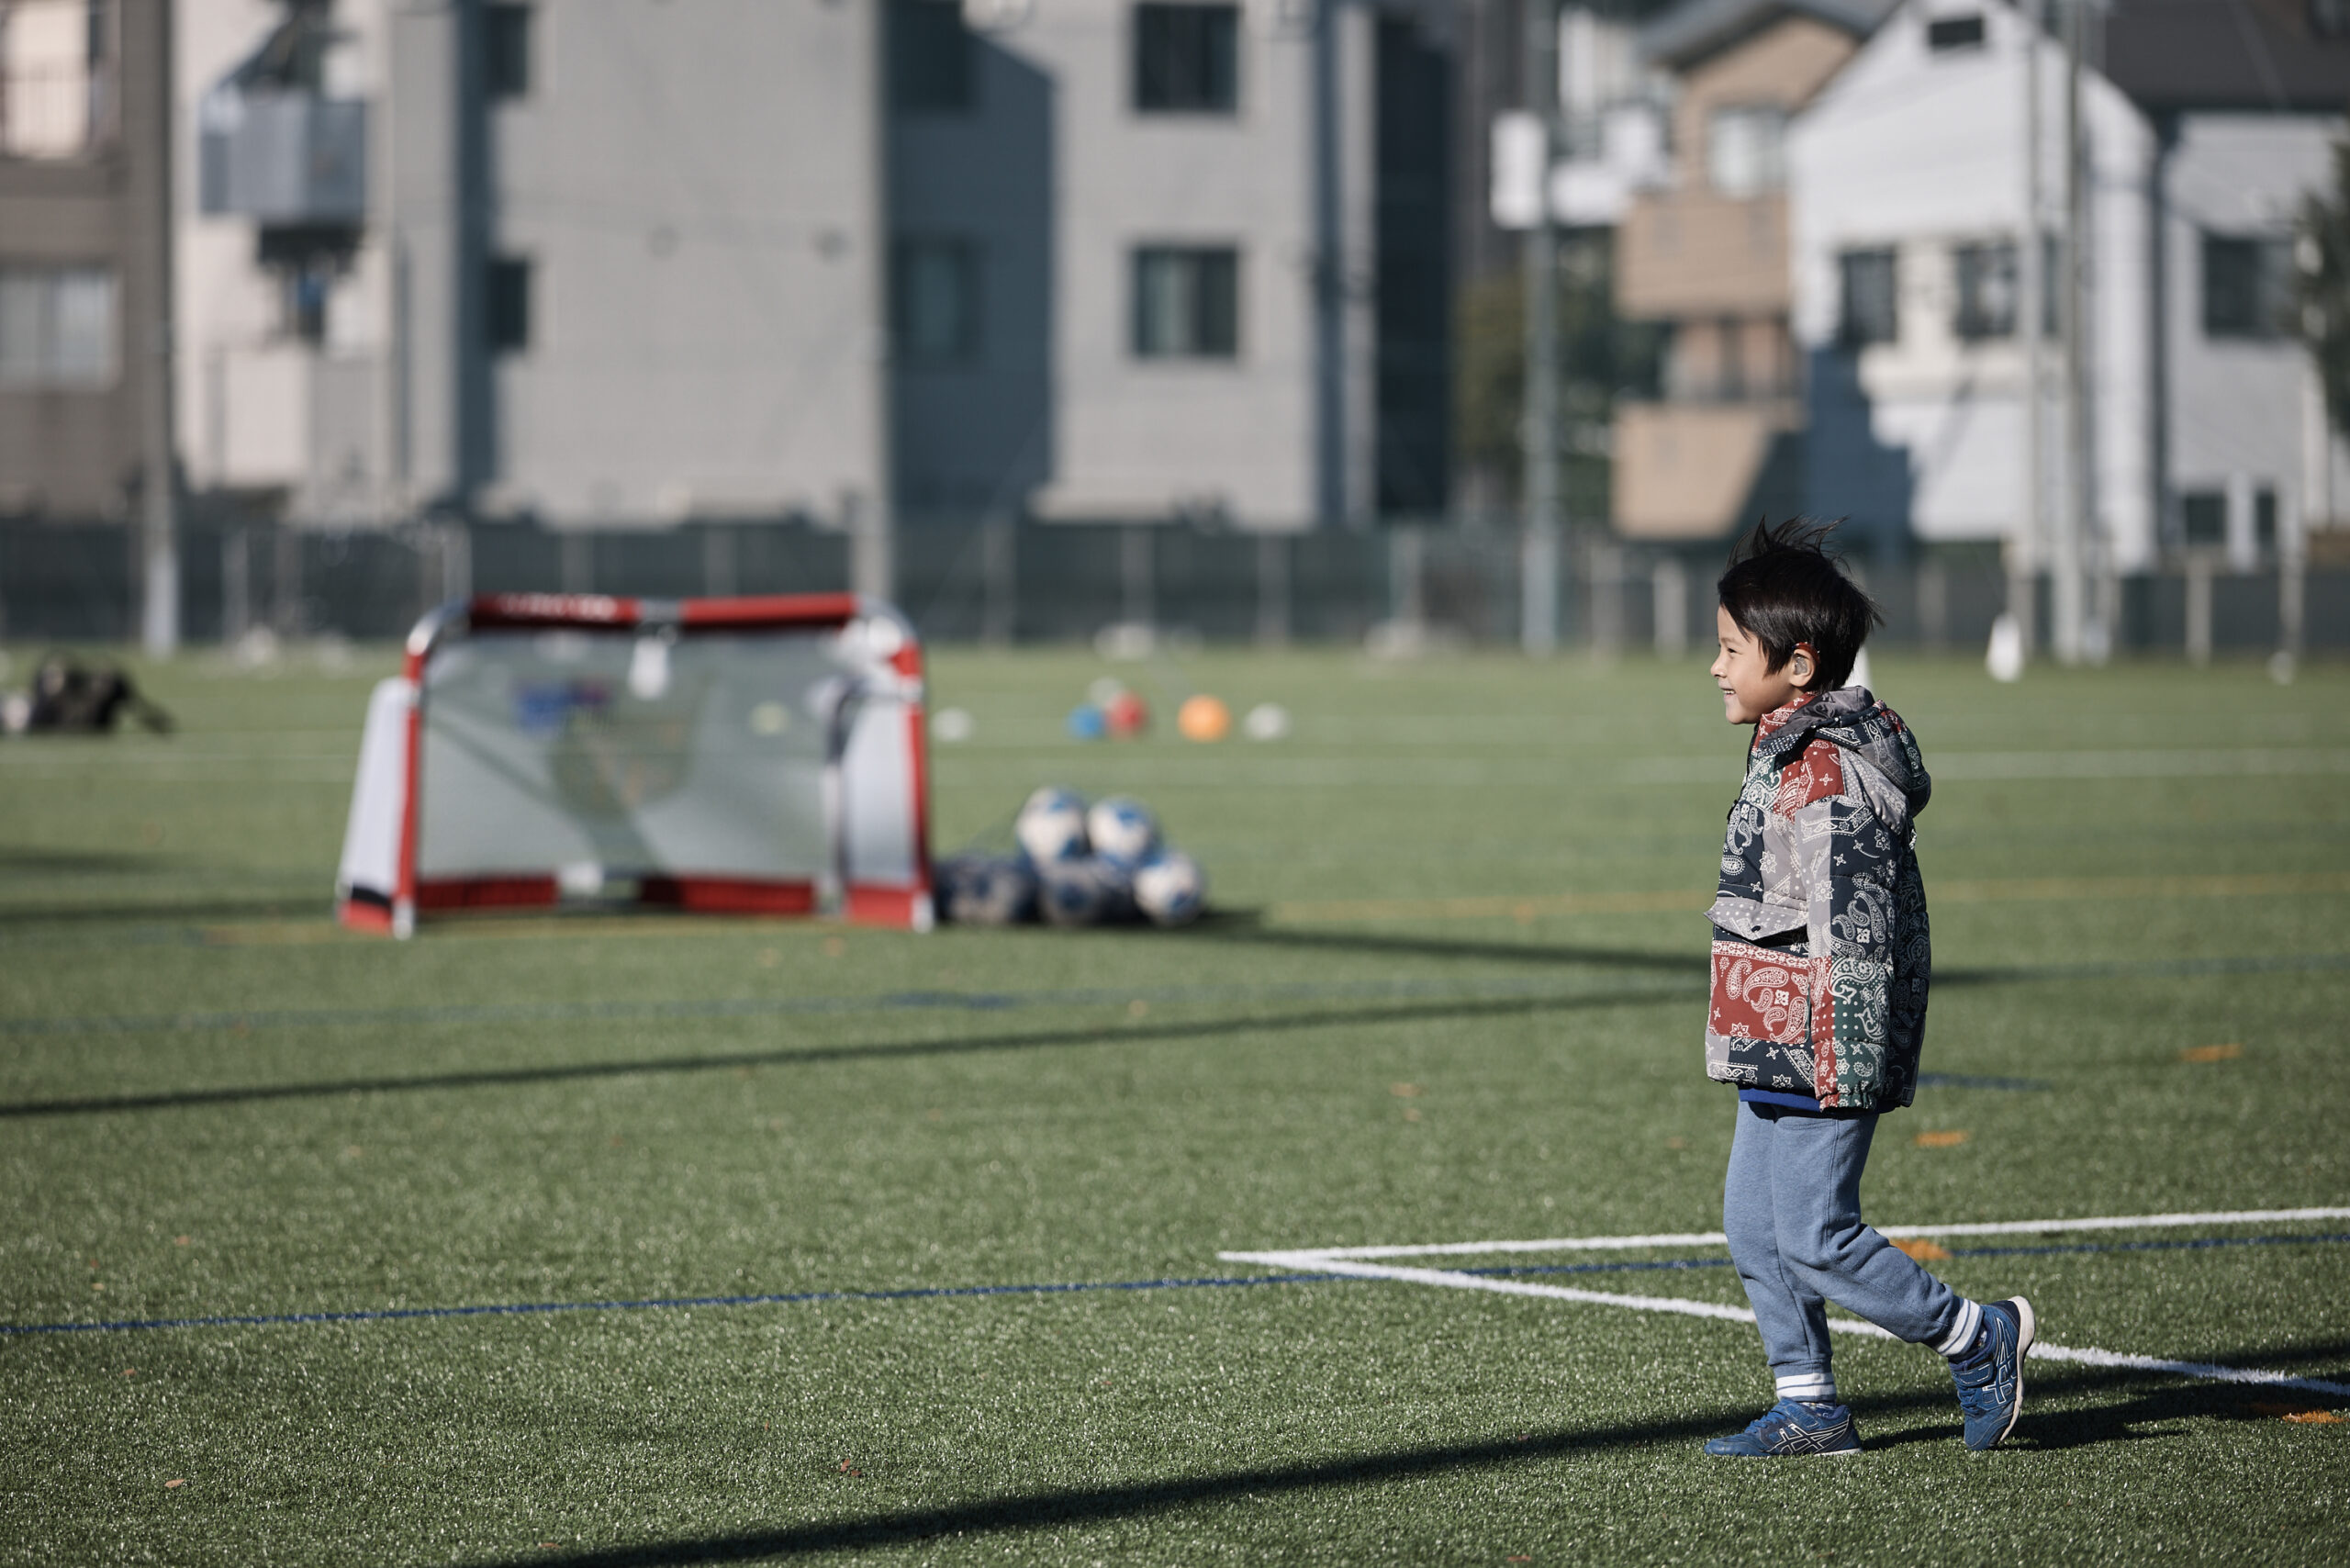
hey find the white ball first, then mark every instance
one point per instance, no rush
(1122, 828)
(1266, 721)
(1052, 827)
(1086, 891)
(985, 889)
(1170, 889)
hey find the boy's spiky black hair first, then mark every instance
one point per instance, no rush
(1785, 587)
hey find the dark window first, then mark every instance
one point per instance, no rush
(935, 301)
(930, 57)
(2245, 281)
(1955, 32)
(506, 49)
(1731, 383)
(506, 307)
(1187, 302)
(1986, 291)
(2263, 518)
(2207, 517)
(1872, 301)
(1187, 58)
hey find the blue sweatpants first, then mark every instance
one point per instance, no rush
(1791, 1206)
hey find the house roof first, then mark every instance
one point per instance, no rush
(2225, 54)
(1684, 34)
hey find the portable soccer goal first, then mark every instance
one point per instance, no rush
(732, 755)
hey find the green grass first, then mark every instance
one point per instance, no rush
(500, 1113)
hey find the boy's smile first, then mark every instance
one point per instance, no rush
(1750, 687)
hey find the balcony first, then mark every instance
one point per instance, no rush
(283, 159)
(1697, 252)
(1698, 470)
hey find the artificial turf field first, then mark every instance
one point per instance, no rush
(1453, 993)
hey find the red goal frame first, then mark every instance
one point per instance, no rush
(396, 740)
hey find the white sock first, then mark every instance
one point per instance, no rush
(1813, 1388)
(1955, 1344)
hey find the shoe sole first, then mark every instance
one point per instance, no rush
(2026, 1329)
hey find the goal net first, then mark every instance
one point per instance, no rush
(739, 756)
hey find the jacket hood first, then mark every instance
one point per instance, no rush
(1853, 717)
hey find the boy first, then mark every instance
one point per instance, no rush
(1819, 1006)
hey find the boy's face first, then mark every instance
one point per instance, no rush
(1750, 687)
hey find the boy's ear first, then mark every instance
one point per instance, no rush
(1803, 665)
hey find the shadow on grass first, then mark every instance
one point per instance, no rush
(1032, 1040)
(1141, 1499)
(166, 913)
(1248, 926)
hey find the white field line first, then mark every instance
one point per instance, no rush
(1325, 1263)
(1716, 1239)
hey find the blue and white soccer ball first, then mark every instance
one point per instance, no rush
(986, 890)
(1170, 889)
(1051, 826)
(1085, 891)
(1122, 828)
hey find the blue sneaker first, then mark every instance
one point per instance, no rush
(1789, 1428)
(1990, 1383)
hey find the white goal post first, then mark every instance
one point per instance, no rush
(753, 755)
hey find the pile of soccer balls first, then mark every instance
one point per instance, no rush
(1077, 866)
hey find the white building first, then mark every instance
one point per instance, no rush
(1907, 187)
(612, 263)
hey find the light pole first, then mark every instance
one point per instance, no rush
(1539, 434)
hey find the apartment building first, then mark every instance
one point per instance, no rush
(1709, 254)
(610, 262)
(80, 256)
(2204, 133)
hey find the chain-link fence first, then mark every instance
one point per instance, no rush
(1006, 580)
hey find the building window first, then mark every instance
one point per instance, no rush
(2206, 516)
(1187, 302)
(57, 327)
(1187, 58)
(1945, 33)
(506, 49)
(1986, 291)
(506, 313)
(935, 301)
(1872, 298)
(2263, 518)
(1746, 149)
(2246, 282)
(930, 57)
(56, 77)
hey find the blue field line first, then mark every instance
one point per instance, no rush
(938, 1292)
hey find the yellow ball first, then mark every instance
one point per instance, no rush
(1203, 718)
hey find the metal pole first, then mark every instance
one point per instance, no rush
(1329, 279)
(147, 94)
(2072, 515)
(1539, 616)
(2025, 547)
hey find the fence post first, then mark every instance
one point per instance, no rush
(1934, 604)
(2198, 608)
(999, 580)
(718, 573)
(1134, 586)
(1607, 579)
(1272, 590)
(1668, 582)
(236, 586)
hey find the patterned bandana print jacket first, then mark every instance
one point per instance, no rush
(1820, 952)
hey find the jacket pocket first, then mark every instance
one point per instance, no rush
(1756, 920)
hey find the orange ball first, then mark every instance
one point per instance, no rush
(1203, 718)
